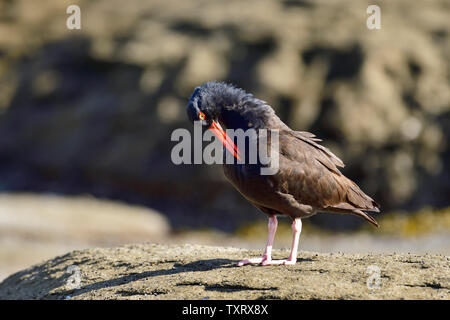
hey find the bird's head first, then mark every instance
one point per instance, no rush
(213, 101)
(210, 104)
(218, 104)
(199, 111)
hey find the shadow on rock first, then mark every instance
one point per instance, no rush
(196, 266)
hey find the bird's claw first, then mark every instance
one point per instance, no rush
(249, 261)
(289, 262)
(266, 262)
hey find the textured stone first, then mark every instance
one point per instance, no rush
(157, 271)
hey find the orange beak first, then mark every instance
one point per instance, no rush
(216, 128)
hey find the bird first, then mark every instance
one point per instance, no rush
(308, 179)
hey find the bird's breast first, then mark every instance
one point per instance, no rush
(247, 179)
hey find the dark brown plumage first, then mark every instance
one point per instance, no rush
(308, 180)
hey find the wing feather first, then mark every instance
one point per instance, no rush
(316, 180)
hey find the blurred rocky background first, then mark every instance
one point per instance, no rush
(91, 111)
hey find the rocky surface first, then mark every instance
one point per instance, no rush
(156, 271)
(92, 110)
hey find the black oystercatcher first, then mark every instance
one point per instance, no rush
(308, 179)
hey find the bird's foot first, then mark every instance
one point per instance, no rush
(250, 261)
(266, 262)
(278, 262)
(290, 262)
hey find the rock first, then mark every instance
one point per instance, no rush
(37, 227)
(78, 218)
(157, 271)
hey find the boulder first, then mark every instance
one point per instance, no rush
(158, 271)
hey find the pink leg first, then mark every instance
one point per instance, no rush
(296, 230)
(267, 257)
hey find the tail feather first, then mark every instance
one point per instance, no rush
(348, 208)
(366, 216)
(358, 199)
(353, 200)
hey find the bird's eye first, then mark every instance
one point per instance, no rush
(201, 116)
